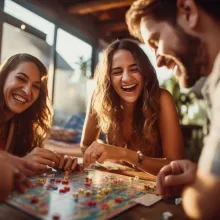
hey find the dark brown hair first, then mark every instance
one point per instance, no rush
(163, 10)
(106, 102)
(32, 125)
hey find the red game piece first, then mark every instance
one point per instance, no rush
(65, 182)
(87, 184)
(56, 216)
(58, 180)
(146, 187)
(87, 179)
(34, 200)
(62, 190)
(67, 188)
(104, 206)
(118, 200)
(90, 203)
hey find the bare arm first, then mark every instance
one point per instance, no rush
(63, 148)
(201, 199)
(170, 131)
(90, 130)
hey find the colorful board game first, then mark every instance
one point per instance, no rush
(85, 195)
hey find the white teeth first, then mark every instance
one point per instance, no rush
(128, 87)
(19, 98)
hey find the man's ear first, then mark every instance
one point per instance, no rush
(187, 14)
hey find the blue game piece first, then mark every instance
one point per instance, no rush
(52, 180)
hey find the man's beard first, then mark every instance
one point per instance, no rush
(193, 58)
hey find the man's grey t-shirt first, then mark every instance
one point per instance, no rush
(210, 157)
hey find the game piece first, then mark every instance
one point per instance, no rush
(41, 181)
(88, 192)
(91, 203)
(54, 187)
(65, 182)
(67, 188)
(105, 206)
(34, 200)
(87, 179)
(178, 201)
(118, 200)
(167, 215)
(87, 184)
(52, 180)
(75, 195)
(81, 191)
(65, 177)
(99, 196)
(62, 191)
(56, 216)
(58, 180)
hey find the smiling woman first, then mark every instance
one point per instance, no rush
(25, 114)
(139, 119)
(24, 104)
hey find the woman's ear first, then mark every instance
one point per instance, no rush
(187, 14)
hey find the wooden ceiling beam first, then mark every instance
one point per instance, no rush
(113, 27)
(98, 5)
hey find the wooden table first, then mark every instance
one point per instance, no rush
(138, 212)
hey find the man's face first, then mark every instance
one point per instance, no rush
(175, 49)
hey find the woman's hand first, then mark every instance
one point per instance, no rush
(101, 152)
(67, 163)
(42, 158)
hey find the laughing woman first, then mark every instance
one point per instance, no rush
(138, 118)
(25, 115)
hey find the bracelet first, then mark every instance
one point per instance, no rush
(140, 159)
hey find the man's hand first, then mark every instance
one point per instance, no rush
(173, 177)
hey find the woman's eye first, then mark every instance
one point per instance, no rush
(21, 79)
(117, 73)
(134, 70)
(36, 87)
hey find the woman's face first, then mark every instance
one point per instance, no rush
(125, 76)
(22, 87)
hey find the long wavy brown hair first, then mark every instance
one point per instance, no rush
(32, 125)
(107, 107)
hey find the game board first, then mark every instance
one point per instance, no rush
(110, 195)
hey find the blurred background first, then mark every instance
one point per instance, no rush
(68, 36)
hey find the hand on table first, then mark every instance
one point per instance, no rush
(41, 158)
(173, 177)
(100, 152)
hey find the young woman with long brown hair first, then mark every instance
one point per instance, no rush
(25, 115)
(138, 118)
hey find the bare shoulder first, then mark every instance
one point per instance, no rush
(165, 97)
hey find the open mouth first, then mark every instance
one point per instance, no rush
(129, 88)
(19, 99)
